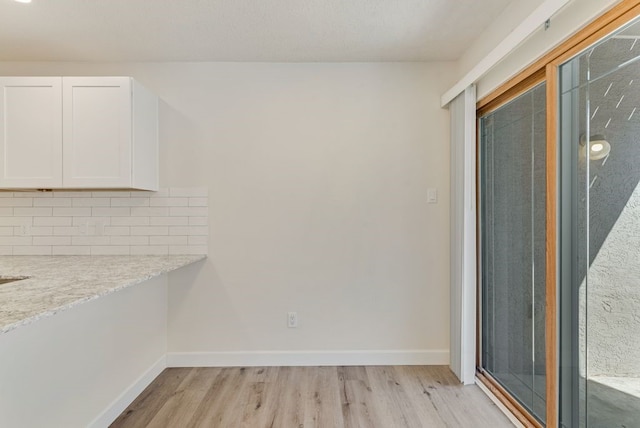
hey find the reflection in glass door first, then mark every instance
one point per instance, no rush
(600, 234)
(513, 232)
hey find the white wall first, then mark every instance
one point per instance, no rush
(610, 300)
(318, 175)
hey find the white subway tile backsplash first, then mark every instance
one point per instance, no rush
(129, 240)
(51, 202)
(51, 240)
(111, 212)
(15, 221)
(169, 202)
(52, 221)
(117, 230)
(110, 250)
(16, 202)
(15, 240)
(72, 212)
(188, 230)
(129, 202)
(170, 221)
(91, 202)
(150, 211)
(90, 240)
(149, 250)
(179, 230)
(33, 194)
(130, 221)
(66, 230)
(32, 250)
(149, 230)
(168, 240)
(68, 250)
(40, 231)
(82, 221)
(32, 212)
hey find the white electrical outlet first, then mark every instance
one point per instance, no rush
(292, 319)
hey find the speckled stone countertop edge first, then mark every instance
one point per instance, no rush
(165, 265)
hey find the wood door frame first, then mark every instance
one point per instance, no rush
(546, 68)
(514, 406)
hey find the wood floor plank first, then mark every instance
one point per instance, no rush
(311, 397)
(322, 402)
(263, 413)
(221, 395)
(398, 409)
(443, 400)
(149, 402)
(420, 395)
(358, 402)
(291, 387)
(181, 406)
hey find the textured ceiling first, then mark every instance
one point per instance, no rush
(242, 30)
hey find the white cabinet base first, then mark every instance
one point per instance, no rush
(80, 366)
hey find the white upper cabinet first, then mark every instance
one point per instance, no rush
(30, 132)
(107, 135)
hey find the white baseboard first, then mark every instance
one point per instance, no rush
(308, 358)
(131, 393)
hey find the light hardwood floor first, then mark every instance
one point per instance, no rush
(331, 397)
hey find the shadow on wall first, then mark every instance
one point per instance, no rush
(612, 294)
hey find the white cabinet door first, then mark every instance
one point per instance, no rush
(30, 132)
(97, 132)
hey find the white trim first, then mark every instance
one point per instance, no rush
(123, 401)
(469, 278)
(463, 236)
(501, 406)
(307, 358)
(537, 18)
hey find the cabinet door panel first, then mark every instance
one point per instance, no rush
(97, 132)
(30, 132)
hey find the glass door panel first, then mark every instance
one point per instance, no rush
(513, 234)
(600, 234)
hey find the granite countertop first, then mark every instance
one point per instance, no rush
(58, 283)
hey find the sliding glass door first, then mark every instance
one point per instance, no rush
(600, 233)
(512, 169)
(559, 231)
